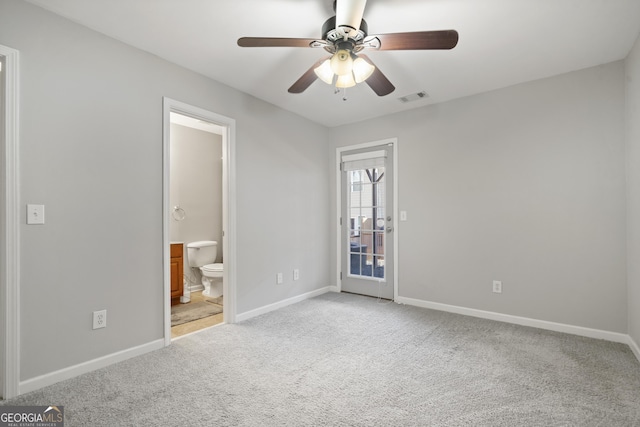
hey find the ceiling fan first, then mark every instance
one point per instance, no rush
(344, 36)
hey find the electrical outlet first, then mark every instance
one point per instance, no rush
(99, 319)
(296, 274)
(279, 278)
(497, 286)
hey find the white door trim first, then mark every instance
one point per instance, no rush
(228, 206)
(10, 203)
(339, 150)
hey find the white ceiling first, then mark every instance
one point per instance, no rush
(502, 42)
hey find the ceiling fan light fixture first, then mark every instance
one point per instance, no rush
(362, 70)
(324, 72)
(345, 81)
(341, 62)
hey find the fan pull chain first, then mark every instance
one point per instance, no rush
(344, 93)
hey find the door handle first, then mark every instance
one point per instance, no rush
(389, 229)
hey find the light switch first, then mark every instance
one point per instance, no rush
(403, 215)
(35, 214)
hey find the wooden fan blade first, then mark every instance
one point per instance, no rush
(276, 42)
(444, 39)
(306, 79)
(378, 81)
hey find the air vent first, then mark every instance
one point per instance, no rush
(413, 97)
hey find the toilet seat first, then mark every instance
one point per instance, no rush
(213, 268)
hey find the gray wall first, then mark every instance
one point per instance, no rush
(91, 152)
(524, 185)
(283, 211)
(196, 186)
(633, 189)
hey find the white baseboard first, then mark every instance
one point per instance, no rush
(83, 368)
(275, 306)
(101, 362)
(196, 287)
(524, 321)
(634, 347)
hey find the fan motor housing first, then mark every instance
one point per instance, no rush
(330, 34)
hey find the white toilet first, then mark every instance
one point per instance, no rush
(203, 254)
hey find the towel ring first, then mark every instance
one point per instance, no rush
(178, 213)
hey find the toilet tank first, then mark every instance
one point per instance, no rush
(202, 253)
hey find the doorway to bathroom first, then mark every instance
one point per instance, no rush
(199, 219)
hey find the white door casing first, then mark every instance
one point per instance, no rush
(228, 206)
(10, 206)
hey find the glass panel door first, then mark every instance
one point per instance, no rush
(367, 225)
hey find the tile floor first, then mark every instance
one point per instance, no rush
(196, 325)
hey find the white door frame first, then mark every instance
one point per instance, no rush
(10, 205)
(228, 206)
(394, 143)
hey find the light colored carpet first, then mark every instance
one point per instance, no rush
(345, 360)
(183, 313)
